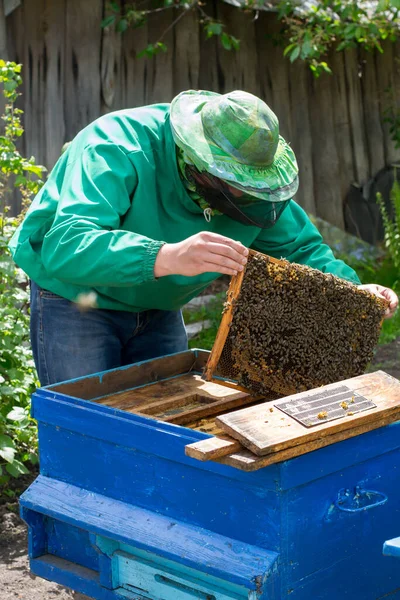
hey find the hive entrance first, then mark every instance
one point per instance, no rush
(288, 328)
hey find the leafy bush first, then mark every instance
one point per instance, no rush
(392, 225)
(17, 371)
(314, 28)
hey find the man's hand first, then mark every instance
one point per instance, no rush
(386, 294)
(202, 253)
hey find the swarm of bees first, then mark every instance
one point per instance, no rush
(294, 328)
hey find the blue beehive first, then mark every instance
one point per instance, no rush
(119, 512)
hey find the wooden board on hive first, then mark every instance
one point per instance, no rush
(248, 443)
(265, 429)
(230, 452)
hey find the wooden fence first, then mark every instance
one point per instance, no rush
(74, 71)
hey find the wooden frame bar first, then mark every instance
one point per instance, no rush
(223, 330)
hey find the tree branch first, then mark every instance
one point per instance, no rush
(179, 17)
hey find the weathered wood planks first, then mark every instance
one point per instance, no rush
(247, 461)
(325, 151)
(214, 448)
(178, 400)
(264, 429)
(136, 375)
(82, 80)
(242, 453)
(74, 71)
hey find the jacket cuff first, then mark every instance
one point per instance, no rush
(149, 260)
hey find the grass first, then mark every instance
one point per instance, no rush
(213, 312)
(390, 329)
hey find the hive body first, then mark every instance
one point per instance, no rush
(119, 512)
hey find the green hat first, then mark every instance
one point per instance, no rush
(235, 137)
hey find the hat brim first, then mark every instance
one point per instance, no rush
(276, 182)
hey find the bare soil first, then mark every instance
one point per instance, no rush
(16, 583)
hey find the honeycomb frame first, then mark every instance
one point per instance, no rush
(287, 328)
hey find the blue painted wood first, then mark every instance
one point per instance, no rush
(137, 561)
(358, 577)
(71, 543)
(315, 532)
(392, 547)
(206, 499)
(37, 538)
(105, 548)
(288, 512)
(154, 437)
(331, 459)
(90, 419)
(198, 549)
(75, 577)
(155, 581)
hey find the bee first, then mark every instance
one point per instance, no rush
(294, 328)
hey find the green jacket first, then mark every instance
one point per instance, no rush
(114, 198)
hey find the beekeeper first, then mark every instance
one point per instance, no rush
(145, 208)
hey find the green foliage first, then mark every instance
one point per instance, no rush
(17, 372)
(23, 172)
(341, 24)
(133, 15)
(153, 49)
(130, 17)
(212, 312)
(390, 328)
(392, 225)
(309, 32)
(216, 28)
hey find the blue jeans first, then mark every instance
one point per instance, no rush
(68, 343)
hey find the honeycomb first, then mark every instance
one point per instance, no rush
(294, 328)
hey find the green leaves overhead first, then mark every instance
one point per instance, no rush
(152, 50)
(135, 15)
(216, 28)
(229, 42)
(312, 30)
